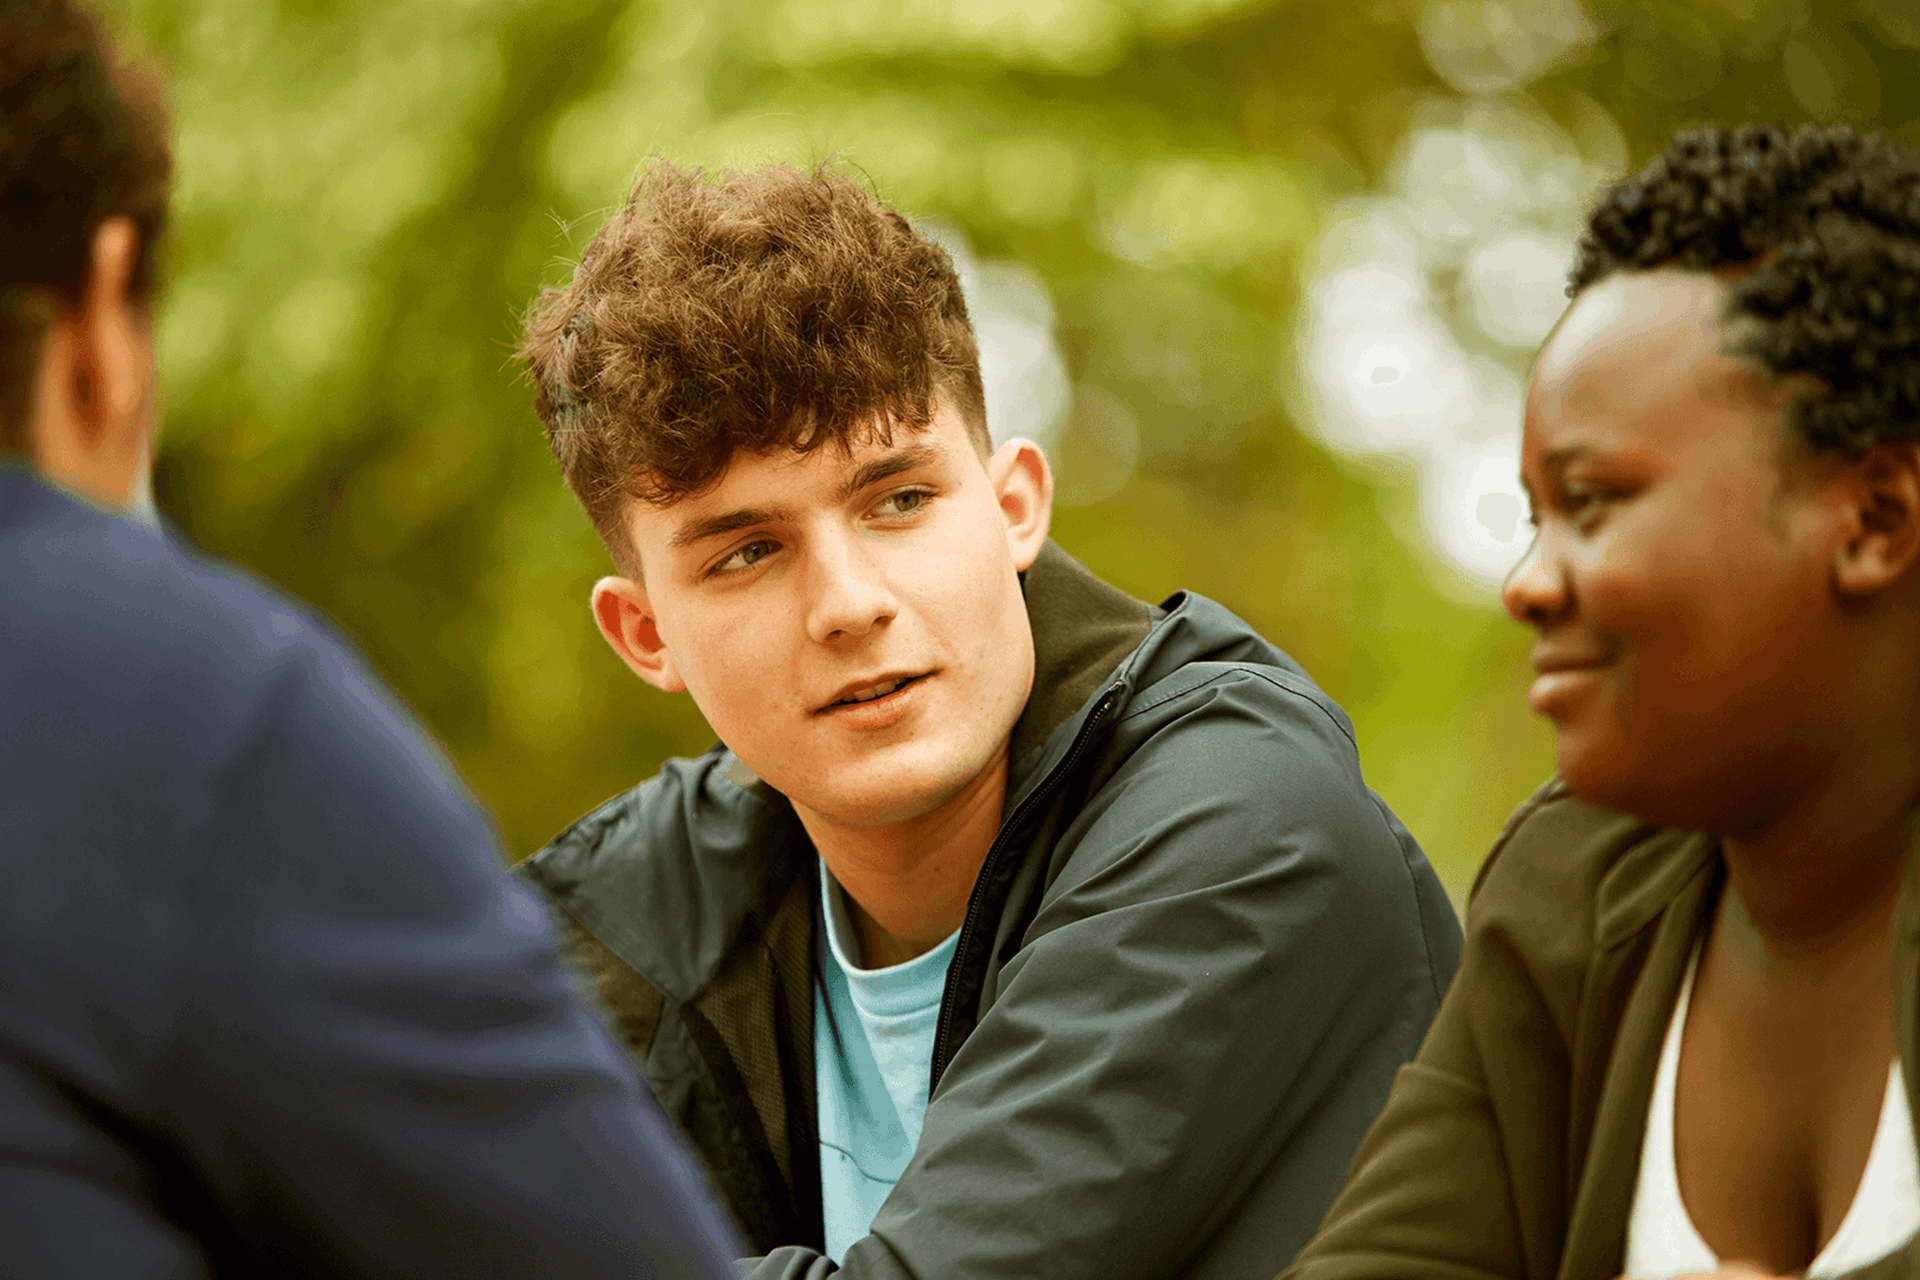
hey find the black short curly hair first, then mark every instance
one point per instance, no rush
(1828, 221)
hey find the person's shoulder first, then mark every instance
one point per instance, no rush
(1566, 875)
(1556, 844)
(172, 722)
(1219, 715)
(1215, 720)
(89, 581)
(665, 873)
(1201, 658)
(709, 799)
(1227, 776)
(147, 643)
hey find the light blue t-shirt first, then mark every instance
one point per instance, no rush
(871, 1076)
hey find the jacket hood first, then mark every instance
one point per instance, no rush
(710, 835)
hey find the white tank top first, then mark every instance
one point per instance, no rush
(1661, 1239)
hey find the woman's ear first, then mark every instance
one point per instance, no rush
(1882, 491)
(1023, 483)
(626, 619)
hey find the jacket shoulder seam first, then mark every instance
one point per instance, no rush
(1234, 670)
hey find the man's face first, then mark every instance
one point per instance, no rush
(849, 623)
(1679, 580)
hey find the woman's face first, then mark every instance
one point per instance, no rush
(1679, 575)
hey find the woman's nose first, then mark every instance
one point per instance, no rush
(1536, 591)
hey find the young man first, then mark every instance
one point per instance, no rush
(268, 1004)
(1015, 928)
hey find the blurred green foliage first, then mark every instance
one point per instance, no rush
(370, 192)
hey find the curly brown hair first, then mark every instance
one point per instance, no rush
(762, 310)
(1828, 221)
(83, 138)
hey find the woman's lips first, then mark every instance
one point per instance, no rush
(1557, 685)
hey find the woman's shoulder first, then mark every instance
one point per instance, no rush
(1566, 876)
(1557, 835)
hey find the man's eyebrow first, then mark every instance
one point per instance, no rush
(726, 522)
(891, 464)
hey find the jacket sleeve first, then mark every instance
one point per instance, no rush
(374, 1061)
(1463, 1177)
(1198, 1025)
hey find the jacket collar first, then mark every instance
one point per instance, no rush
(672, 903)
(1647, 879)
(1083, 630)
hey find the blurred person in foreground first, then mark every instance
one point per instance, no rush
(1692, 970)
(268, 1002)
(1014, 928)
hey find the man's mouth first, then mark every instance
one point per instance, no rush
(870, 692)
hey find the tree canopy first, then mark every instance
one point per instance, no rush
(1169, 208)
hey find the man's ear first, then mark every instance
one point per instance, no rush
(1882, 492)
(1023, 483)
(92, 422)
(626, 619)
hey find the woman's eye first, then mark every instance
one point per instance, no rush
(1580, 503)
(904, 503)
(745, 557)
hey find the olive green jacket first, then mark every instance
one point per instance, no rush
(1511, 1146)
(1195, 954)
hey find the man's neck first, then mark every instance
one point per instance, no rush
(907, 884)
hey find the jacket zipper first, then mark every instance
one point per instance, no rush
(976, 904)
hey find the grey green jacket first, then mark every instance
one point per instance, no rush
(1196, 954)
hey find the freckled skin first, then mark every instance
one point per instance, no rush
(1727, 628)
(829, 588)
(841, 594)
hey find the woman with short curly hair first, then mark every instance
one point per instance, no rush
(1692, 967)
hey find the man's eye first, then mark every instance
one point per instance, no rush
(904, 503)
(745, 557)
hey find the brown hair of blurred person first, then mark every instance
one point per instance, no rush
(102, 153)
(757, 311)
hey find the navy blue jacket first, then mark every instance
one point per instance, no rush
(268, 1003)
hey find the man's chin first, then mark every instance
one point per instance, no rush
(873, 807)
(868, 796)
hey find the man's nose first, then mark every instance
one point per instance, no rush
(850, 592)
